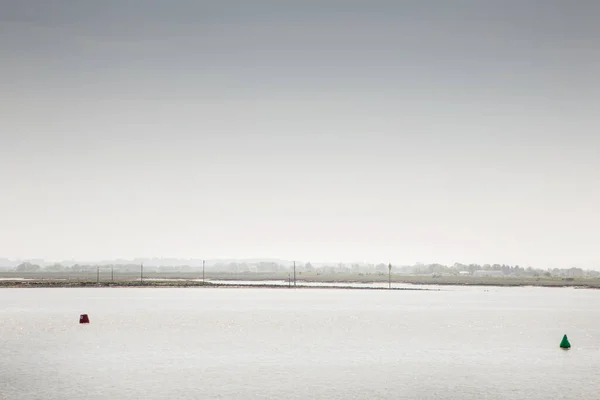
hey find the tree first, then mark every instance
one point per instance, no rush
(55, 267)
(27, 267)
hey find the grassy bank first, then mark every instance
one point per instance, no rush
(193, 279)
(46, 283)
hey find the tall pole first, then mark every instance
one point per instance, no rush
(142, 273)
(97, 274)
(294, 273)
(112, 274)
(389, 275)
(203, 263)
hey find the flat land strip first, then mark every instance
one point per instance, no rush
(194, 279)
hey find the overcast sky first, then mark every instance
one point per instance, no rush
(403, 131)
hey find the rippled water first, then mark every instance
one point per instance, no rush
(230, 343)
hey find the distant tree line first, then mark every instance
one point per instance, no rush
(508, 270)
(273, 267)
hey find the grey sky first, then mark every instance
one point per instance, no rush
(433, 131)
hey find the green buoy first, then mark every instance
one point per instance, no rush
(564, 343)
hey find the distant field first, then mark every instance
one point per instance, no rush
(69, 278)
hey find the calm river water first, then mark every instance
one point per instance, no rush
(231, 343)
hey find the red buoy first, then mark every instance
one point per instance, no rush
(84, 319)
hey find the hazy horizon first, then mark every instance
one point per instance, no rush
(212, 262)
(399, 131)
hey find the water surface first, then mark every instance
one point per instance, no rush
(251, 343)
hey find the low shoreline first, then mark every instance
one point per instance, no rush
(181, 284)
(307, 282)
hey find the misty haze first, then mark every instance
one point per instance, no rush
(309, 199)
